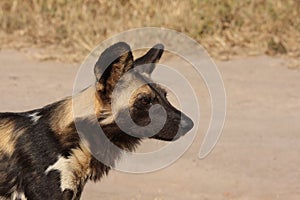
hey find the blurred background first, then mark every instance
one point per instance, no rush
(254, 43)
(69, 30)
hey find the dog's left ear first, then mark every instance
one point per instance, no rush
(113, 63)
(146, 63)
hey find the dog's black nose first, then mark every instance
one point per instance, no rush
(186, 124)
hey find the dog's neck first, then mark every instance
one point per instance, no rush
(95, 155)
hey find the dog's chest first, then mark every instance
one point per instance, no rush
(74, 171)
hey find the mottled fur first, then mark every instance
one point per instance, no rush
(41, 153)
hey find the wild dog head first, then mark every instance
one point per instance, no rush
(132, 99)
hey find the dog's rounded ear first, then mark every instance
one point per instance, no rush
(146, 63)
(115, 61)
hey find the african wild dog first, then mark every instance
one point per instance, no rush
(41, 153)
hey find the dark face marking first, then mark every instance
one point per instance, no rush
(177, 124)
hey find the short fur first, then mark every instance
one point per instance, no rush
(41, 153)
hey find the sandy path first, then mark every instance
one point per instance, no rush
(258, 154)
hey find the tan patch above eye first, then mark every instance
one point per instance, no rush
(144, 90)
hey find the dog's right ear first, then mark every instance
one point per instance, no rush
(146, 63)
(115, 61)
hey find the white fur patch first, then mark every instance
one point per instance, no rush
(67, 180)
(108, 120)
(34, 117)
(18, 195)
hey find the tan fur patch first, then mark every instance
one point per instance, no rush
(80, 161)
(7, 141)
(145, 89)
(62, 117)
(82, 105)
(124, 96)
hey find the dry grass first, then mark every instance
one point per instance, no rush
(68, 30)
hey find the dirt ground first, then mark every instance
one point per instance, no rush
(256, 158)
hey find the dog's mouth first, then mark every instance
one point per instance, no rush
(169, 139)
(166, 139)
(184, 127)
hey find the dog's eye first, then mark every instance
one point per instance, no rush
(145, 100)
